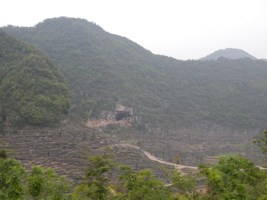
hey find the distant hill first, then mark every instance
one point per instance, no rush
(229, 53)
(103, 69)
(32, 90)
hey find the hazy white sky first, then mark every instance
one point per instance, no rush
(184, 29)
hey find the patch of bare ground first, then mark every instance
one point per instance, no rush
(64, 149)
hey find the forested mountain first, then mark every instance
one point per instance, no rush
(102, 69)
(229, 53)
(32, 90)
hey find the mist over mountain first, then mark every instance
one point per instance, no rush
(229, 53)
(103, 69)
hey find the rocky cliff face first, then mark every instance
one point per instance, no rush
(122, 116)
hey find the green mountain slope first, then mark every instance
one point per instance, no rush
(229, 53)
(32, 90)
(102, 69)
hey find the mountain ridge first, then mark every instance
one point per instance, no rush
(160, 89)
(230, 53)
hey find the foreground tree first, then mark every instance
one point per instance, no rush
(142, 185)
(3, 154)
(16, 184)
(234, 178)
(95, 184)
(12, 175)
(262, 142)
(183, 186)
(45, 184)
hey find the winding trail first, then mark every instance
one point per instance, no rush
(176, 166)
(179, 167)
(151, 157)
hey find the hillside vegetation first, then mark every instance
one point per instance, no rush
(32, 90)
(102, 69)
(232, 178)
(229, 53)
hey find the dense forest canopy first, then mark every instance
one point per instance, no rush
(32, 90)
(102, 69)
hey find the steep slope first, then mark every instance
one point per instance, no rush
(103, 69)
(229, 53)
(32, 90)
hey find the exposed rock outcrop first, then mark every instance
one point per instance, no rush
(121, 116)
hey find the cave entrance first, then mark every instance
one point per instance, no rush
(121, 115)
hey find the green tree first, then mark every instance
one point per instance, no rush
(3, 154)
(182, 183)
(95, 184)
(262, 142)
(142, 185)
(12, 175)
(45, 184)
(234, 178)
(40, 184)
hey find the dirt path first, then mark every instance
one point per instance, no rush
(151, 157)
(176, 166)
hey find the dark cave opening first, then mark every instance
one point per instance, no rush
(121, 115)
